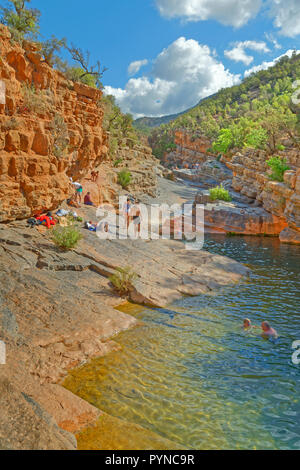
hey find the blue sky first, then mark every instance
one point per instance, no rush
(189, 48)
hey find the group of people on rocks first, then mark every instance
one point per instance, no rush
(78, 195)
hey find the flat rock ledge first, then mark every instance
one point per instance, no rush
(56, 313)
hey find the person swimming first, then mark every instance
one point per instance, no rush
(247, 325)
(267, 331)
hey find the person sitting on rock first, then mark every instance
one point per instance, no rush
(88, 200)
(267, 331)
(91, 226)
(72, 203)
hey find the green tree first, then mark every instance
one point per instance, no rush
(22, 21)
(257, 138)
(50, 48)
(224, 142)
(76, 74)
(83, 58)
(279, 167)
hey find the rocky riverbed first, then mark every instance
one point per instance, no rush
(57, 313)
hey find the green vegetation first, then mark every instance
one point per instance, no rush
(50, 48)
(37, 101)
(118, 162)
(220, 194)
(21, 21)
(145, 124)
(75, 74)
(162, 141)
(122, 280)
(224, 142)
(279, 167)
(89, 74)
(66, 237)
(60, 136)
(258, 114)
(11, 124)
(124, 178)
(118, 125)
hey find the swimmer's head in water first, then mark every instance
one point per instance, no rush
(265, 325)
(247, 323)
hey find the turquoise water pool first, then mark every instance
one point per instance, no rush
(192, 375)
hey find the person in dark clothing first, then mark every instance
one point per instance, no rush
(87, 200)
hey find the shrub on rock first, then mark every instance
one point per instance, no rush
(66, 237)
(220, 194)
(124, 178)
(123, 279)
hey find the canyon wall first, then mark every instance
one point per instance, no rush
(250, 178)
(248, 174)
(189, 151)
(33, 171)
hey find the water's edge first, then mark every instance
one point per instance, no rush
(132, 385)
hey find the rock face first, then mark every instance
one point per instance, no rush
(247, 174)
(50, 130)
(34, 170)
(186, 142)
(189, 151)
(236, 218)
(282, 200)
(210, 174)
(143, 168)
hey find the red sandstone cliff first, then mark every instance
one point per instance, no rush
(250, 178)
(281, 199)
(33, 171)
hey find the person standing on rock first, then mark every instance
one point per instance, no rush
(127, 208)
(137, 218)
(94, 176)
(78, 192)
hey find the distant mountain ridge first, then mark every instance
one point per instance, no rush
(258, 113)
(152, 122)
(155, 121)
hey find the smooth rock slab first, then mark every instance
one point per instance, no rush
(290, 236)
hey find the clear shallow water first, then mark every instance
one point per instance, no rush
(190, 374)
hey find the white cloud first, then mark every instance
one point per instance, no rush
(238, 53)
(273, 40)
(229, 12)
(136, 66)
(287, 16)
(237, 13)
(267, 65)
(182, 74)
